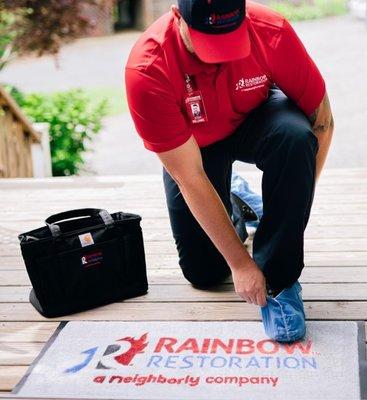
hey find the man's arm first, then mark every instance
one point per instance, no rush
(302, 81)
(184, 164)
(322, 122)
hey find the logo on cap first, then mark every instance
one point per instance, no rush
(223, 20)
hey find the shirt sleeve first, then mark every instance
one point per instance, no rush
(156, 114)
(294, 71)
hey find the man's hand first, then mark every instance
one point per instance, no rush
(249, 283)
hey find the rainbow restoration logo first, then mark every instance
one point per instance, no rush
(190, 359)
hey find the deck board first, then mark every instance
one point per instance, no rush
(334, 280)
(181, 292)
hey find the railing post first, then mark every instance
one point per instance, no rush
(41, 153)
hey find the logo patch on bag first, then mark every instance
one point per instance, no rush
(86, 239)
(92, 259)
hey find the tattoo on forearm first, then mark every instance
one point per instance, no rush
(325, 124)
(322, 127)
(313, 116)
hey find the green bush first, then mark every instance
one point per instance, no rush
(73, 122)
(305, 11)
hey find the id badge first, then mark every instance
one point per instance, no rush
(195, 107)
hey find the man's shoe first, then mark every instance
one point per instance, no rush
(241, 213)
(284, 316)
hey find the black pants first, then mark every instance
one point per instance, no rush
(277, 137)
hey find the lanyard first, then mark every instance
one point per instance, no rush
(188, 82)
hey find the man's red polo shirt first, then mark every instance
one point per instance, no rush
(156, 90)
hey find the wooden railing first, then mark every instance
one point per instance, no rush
(16, 138)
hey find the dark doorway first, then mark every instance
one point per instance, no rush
(125, 16)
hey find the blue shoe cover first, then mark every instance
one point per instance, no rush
(284, 316)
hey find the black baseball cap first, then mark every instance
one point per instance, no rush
(218, 28)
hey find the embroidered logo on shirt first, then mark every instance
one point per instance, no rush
(245, 84)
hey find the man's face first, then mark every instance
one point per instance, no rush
(184, 32)
(186, 36)
(195, 109)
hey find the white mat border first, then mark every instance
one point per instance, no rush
(47, 345)
(361, 340)
(361, 343)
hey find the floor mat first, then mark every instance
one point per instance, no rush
(198, 360)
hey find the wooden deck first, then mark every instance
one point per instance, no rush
(334, 280)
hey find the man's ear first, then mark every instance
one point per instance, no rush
(176, 12)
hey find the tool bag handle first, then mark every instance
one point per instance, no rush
(80, 212)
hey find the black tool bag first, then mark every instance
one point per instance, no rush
(94, 259)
